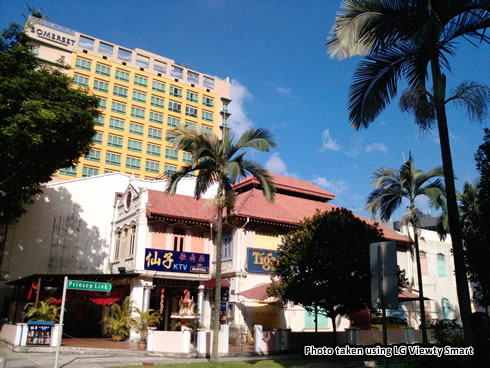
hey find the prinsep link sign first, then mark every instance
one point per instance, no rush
(88, 285)
(172, 261)
(261, 260)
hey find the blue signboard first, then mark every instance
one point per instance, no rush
(261, 260)
(172, 261)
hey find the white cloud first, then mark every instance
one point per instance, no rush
(239, 121)
(335, 186)
(328, 142)
(276, 165)
(377, 146)
(288, 92)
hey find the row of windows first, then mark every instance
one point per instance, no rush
(121, 250)
(441, 264)
(139, 80)
(115, 159)
(136, 128)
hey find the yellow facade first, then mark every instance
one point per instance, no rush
(139, 105)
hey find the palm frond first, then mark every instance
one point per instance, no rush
(419, 102)
(263, 177)
(259, 139)
(473, 97)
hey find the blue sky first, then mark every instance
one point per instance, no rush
(282, 79)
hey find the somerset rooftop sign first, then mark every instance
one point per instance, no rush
(88, 285)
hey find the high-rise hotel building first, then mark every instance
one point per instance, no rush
(142, 97)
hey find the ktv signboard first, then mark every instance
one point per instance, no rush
(261, 260)
(172, 261)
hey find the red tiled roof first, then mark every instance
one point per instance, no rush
(290, 210)
(179, 206)
(287, 183)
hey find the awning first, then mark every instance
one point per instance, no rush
(258, 293)
(212, 283)
(407, 296)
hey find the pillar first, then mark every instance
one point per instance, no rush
(200, 303)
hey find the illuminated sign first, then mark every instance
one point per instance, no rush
(261, 260)
(53, 36)
(172, 261)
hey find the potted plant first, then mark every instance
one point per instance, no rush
(45, 311)
(142, 322)
(119, 322)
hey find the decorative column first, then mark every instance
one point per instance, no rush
(146, 298)
(200, 302)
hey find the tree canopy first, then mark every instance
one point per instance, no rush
(45, 123)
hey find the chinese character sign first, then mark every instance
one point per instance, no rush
(261, 260)
(172, 261)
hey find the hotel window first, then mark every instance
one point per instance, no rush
(102, 103)
(158, 86)
(101, 86)
(134, 145)
(153, 149)
(156, 117)
(227, 245)
(97, 137)
(190, 126)
(114, 141)
(157, 101)
(103, 69)
(83, 64)
(191, 96)
(191, 111)
(205, 130)
(120, 91)
(170, 169)
(89, 171)
(122, 75)
(136, 128)
(140, 81)
(80, 80)
(207, 101)
(177, 72)
(70, 171)
(105, 48)
(170, 137)
(160, 66)
(152, 166)
(171, 154)
(208, 82)
(175, 91)
(155, 133)
(187, 157)
(139, 96)
(133, 163)
(93, 155)
(117, 124)
(35, 50)
(173, 122)
(123, 54)
(136, 112)
(99, 120)
(117, 245)
(86, 43)
(118, 107)
(441, 265)
(142, 60)
(206, 115)
(174, 106)
(132, 239)
(178, 239)
(192, 77)
(113, 158)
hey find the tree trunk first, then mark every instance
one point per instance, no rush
(217, 294)
(439, 83)
(425, 340)
(334, 326)
(316, 318)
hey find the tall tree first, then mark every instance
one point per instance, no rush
(314, 269)
(221, 161)
(45, 124)
(391, 187)
(410, 39)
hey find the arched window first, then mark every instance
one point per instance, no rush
(178, 239)
(132, 240)
(441, 265)
(423, 263)
(117, 245)
(124, 245)
(446, 308)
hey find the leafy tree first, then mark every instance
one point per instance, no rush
(45, 124)
(45, 311)
(324, 264)
(407, 39)
(391, 187)
(222, 161)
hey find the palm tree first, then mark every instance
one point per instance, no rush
(390, 188)
(222, 161)
(46, 311)
(407, 39)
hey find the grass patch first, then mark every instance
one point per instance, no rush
(258, 363)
